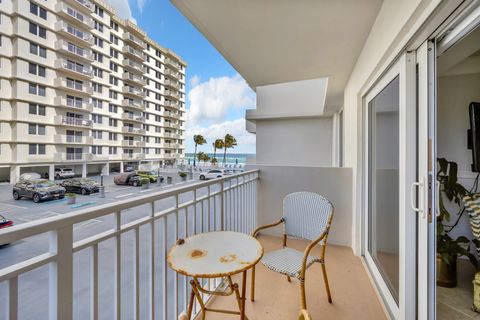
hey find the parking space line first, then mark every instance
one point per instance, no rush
(148, 190)
(12, 205)
(123, 195)
(124, 188)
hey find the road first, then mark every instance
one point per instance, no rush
(33, 286)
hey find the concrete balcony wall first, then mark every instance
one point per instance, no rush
(333, 183)
(6, 48)
(7, 89)
(20, 92)
(21, 70)
(5, 153)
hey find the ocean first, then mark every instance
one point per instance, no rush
(231, 158)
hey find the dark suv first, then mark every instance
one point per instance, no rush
(38, 190)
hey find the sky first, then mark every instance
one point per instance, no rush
(216, 95)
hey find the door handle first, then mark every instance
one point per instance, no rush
(437, 198)
(418, 185)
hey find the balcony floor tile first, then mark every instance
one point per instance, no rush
(276, 298)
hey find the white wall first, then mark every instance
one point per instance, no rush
(295, 142)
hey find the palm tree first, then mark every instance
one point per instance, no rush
(205, 158)
(199, 140)
(228, 142)
(218, 144)
(200, 156)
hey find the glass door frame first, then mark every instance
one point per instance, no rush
(404, 68)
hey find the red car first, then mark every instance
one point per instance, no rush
(4, 222)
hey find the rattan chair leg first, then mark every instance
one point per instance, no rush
(327, 287)
(252, 289)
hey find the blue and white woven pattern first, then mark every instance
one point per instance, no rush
(306, 215)
(287, 261)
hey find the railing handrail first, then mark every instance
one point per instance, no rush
(32, 228)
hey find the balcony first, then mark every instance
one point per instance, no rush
(133, 117)
(73, 15)
(73, 86)
(170, 145)
(172, 73)
(131, 39)
(69, 103)
(84, 5)
(173, 63)
(77, 52)
(171, 94)
(72, 122)
(171, 155)
(82, 37)
(71, 139)
(133, 143)
(171, 135)
(133, 65)
(133, 91)
(172, 104)
(133, 130)
(136, 104)
(71, 157)
(132, 78)
(73, 68)
(133, 53)
(133, 156)
(172, 84)
(170, 114)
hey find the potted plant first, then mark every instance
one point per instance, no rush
(169, 180)
(71, 198)
(448, 248)
(183, 175)
(145, 183)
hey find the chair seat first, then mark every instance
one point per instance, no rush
(287, 261)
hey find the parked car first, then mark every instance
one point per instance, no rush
(64, 173)
(80, 185)
(30, 176)
(212, 174)
(38, 190)
(131, 179)
(4, 222)
(151, 175)
(128, 169)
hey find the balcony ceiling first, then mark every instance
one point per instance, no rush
(276, 41)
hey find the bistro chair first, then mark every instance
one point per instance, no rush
(307, 216)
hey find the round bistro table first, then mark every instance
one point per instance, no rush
(216, 254)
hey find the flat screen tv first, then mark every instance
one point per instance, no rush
(474, 135)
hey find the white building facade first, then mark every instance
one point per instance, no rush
(82, 88)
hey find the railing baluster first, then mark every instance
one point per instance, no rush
(152, 262)
(185, 282)
(222, 206)
(165, 266)
(12, 310)
(176, 274)
(118, 267)
(136, 274)
(195, 211)
(94, 285)
(209, 213)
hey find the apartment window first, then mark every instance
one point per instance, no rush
(113, 66)
(158, 151)
(36, 89)
(158, 54)
(145, 150)
(112, 136)
(98, 41)
(36, 129)
(36, 109)
(38, 50)
(97, 87)
(97, 72)
(112, 108)
(113, 122)
(36, 148)
(157, 140)
(97, 134)
(97, 103)
(97, 149)
(99, 11)
(36, 69)
(113, 80)
(158, 129)
(96, 118)
(158, 107)
(37, 30)
(98, 26)
(97, 56)
(146, 127)
(112, 94)
(158, 119)
(38, 11)
(114, 53)
(112, 150)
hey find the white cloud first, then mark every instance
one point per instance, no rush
(213, 99)
(195, 80)
(141, 5)
(122, 8)
(245, 140)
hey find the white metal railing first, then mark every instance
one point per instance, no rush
(227, 203)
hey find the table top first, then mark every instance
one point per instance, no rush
(215, 254)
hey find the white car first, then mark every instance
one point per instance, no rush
(212, 174)
(64, 173)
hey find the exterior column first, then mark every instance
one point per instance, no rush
(106, 169)
(51, 172)
(121, 166)
(14, 174)
(84, 170)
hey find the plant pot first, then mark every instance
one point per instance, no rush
(145, 185)
(169, 180)
(184, 178)
(71, 200)
(447, 272)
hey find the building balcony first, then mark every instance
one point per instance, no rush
(63, 101)
(71, 139)
(98, 157)
(171, 135)
(72, 122)
(172, 84)
(173, 63)
(133, 156)
(133, 103)
(79, 53)
(133, 91)
(133, 143)
(171, 94)
(82, 37)
(134, 40)
(167, 145)
(71, 157)
(127, 116)
(83, 5)
(73, 15)
(133, 65)
(169, 124)
(170, 114)
(171, 155)
(133, 78)
(133, 130)
(171, 73)
(171, 104)
(74, 69)
(73, 86)
(133, 53)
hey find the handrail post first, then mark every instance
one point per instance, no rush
(61, 274)
(222, 206)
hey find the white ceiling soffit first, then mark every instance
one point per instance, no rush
(276, 41)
